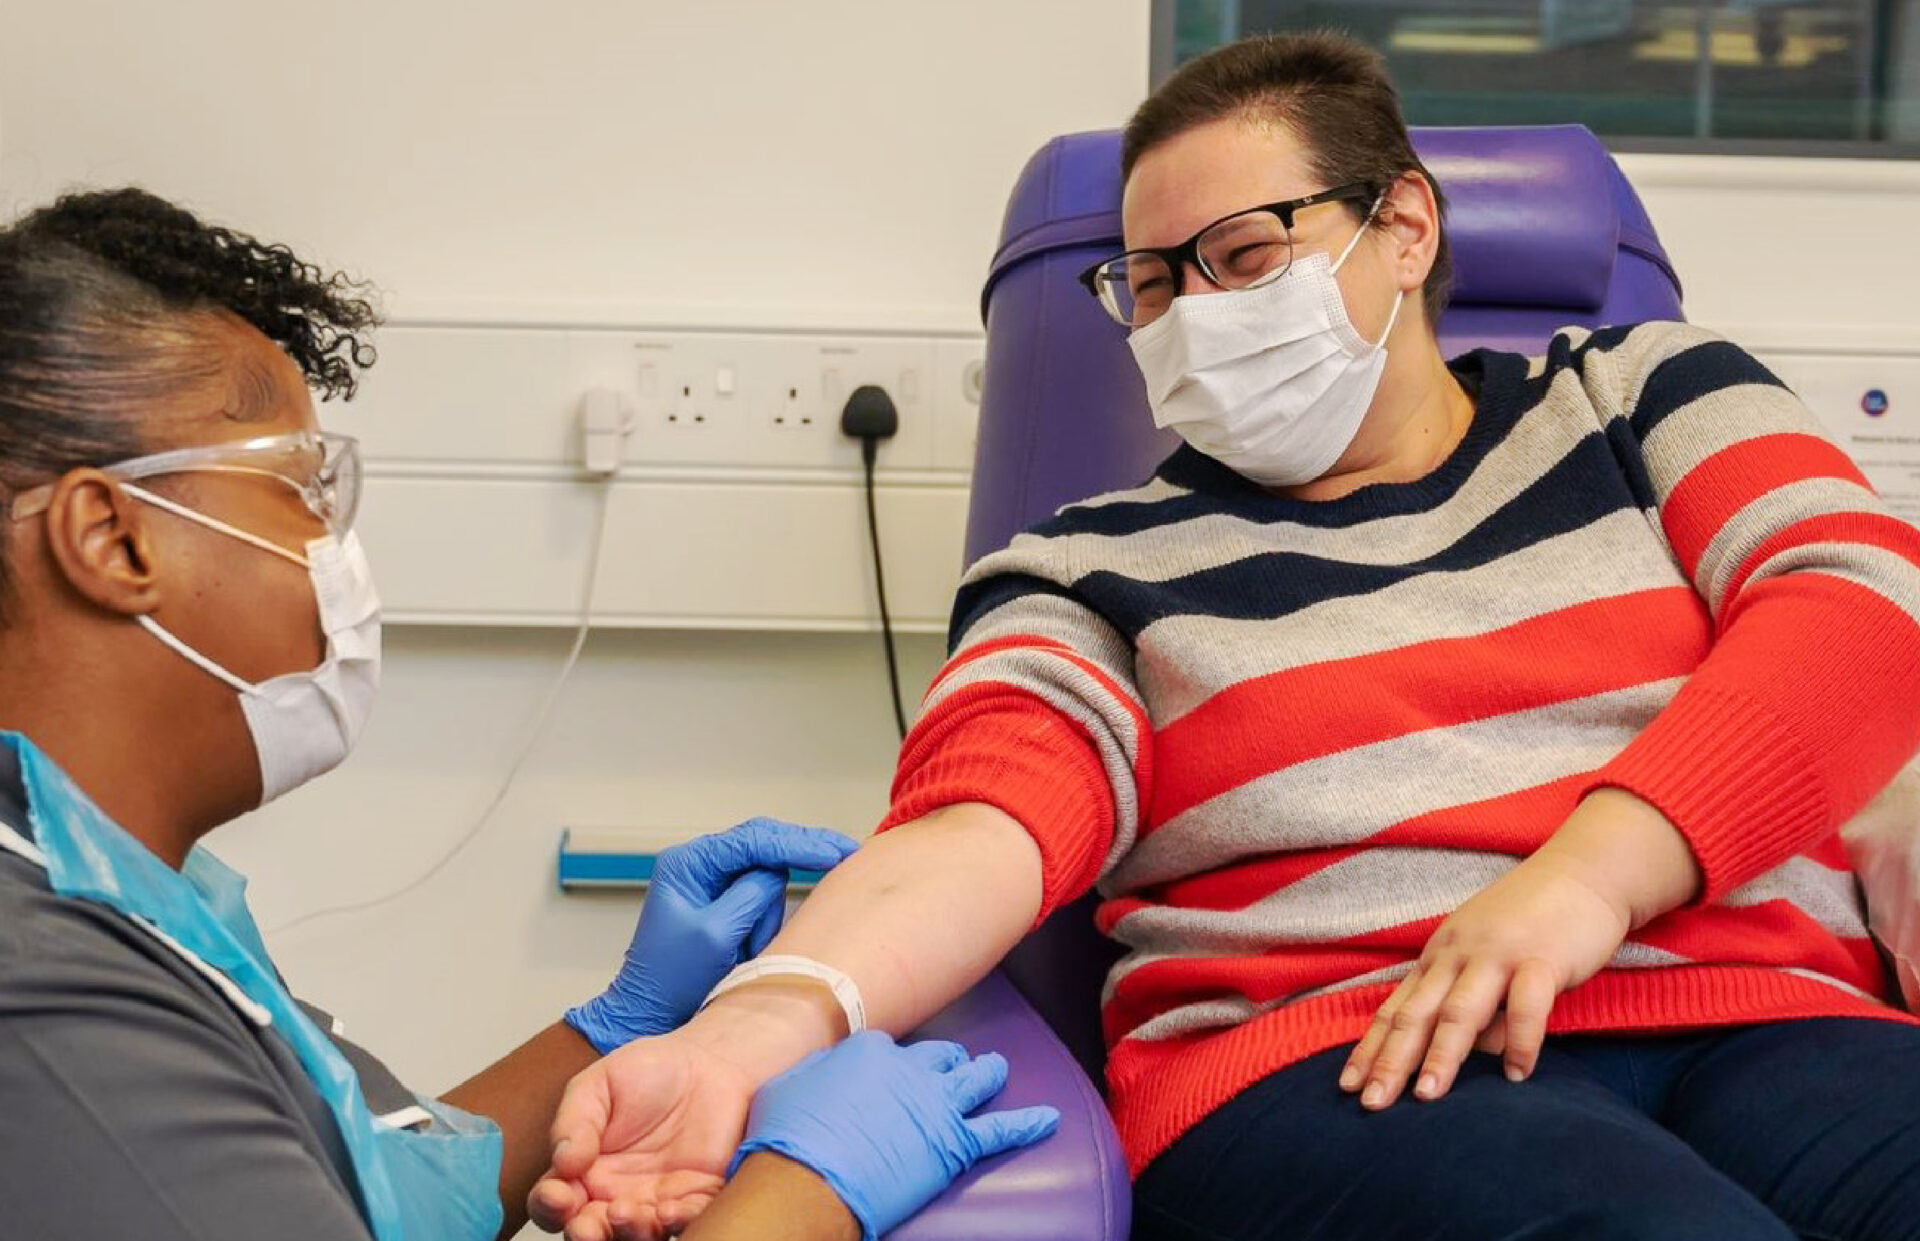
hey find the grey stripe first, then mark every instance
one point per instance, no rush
(1886, 574)
(1345, 798)
(1371, 891)
(1228, 1011)
(1825, 895)
(1184, 660)
(1717, 421)
(1148, 492)
(1736, 541)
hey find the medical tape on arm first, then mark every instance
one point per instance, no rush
(845, 991)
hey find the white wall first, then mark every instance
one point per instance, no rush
(658, 161)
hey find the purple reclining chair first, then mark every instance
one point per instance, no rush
(1546, 232)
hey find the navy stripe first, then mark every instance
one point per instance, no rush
(975, 599)
(1633, 466)
(1505, 396)
(1580, 489)
(1691, 374)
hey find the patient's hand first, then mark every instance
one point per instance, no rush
(642, 1140)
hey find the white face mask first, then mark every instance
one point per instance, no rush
(304, 724)
(1271, 381)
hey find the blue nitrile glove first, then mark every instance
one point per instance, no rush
(713, 903)
(886, 1126)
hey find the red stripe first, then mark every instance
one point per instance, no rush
(1269, 723)
(1514, 823)
(1161, 986)
(1108, 915)
(988, 743)
(1716, 488)
(1855, 719)
(1035, 642)
(1864, 529)
(1775, 933)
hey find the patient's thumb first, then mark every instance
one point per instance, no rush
(578, 1124)
(1012, 1129)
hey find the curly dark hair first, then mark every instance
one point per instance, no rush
(189, 265)
(108, 307)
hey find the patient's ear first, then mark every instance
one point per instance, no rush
(96, 538)
(1411, 215)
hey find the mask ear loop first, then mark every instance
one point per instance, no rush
(1398, 296)
(194, 657)
(212, 523)
(154, 627)
(1355, 240)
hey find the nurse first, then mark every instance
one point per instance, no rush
(188, 629)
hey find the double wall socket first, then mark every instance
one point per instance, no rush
(769, 400)
(449, 396)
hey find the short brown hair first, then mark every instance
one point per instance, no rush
(1330, 91)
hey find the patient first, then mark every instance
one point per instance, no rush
(1460, 747)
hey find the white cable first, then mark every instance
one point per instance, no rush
(534, 732)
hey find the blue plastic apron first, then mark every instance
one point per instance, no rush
(440, 1183)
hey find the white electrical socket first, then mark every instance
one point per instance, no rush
(775, 401)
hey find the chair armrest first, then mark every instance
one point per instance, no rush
(1071, 1187)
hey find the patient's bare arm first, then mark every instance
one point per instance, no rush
(922, 912)
(916, 917)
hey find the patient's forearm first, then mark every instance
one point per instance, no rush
(916, 917)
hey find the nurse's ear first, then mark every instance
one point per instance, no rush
(98, 541)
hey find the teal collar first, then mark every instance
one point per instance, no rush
(90, 856)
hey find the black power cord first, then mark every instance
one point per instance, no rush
(870, 417)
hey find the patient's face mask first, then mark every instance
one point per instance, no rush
(1272, 381)
(304, 724)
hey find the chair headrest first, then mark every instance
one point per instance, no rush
(1533, 215)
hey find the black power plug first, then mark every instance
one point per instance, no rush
(870, 417)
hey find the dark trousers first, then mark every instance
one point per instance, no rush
(1805, 1129)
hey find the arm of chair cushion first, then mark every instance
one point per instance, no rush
(1071, 1187)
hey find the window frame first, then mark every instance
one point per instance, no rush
(1163, 23)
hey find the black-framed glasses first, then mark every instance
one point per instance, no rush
(1237, 251)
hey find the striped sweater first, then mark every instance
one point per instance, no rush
(1287, 738)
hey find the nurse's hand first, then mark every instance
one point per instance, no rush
(713, 903)
(887, 1126)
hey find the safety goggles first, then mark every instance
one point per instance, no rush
(322, 467)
